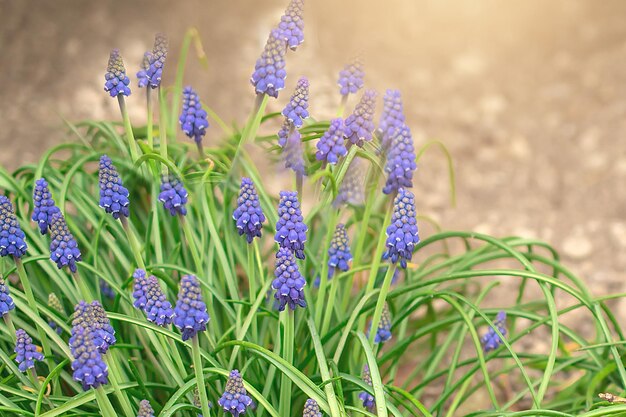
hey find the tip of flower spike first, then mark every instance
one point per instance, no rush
(311, 409)
(351, 78)
(113, 194)
(290, 227)
(6, 302)
(269, 72)
(193, 118)
(491, 340)
(191, 314)
(235, 399)
(145, 409)
(331, 145)
(43, 205)
(402, 233)
(156, 60)
(63, 246)
(116, 80)
(12, 238)
(359, 126)
(291, 24)
(248, 215)
(26, 352)
(297, 108)
(173, 195)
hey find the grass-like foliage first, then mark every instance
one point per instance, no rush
(446, 355)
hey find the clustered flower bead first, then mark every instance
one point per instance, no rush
(173, 195)
(235, 399)
(269, 72)
(88, 366)
(290, 227)
(156, 60)
(6, 302)
(116, 80)
(283, 133)
(150, 299)
(94, 320)
(113, 194)
(44, 206)
(360, 125)
(311, 409)
(26, 351)
(392, 118)
(106, 290)
(296, 110)
(288, 282)
(402, 233)
(193, 118)
(293, 154)
(142, 75)
(352, 188)
(383, 333)
(368, 399)
(339, 255)
(248, 214)
(292, 24)
(191, 314)
(400, 164)
(491, 340)
(55, 304)
(145, 409)
(331, 145)
(12, 237)
(63, 247)
(351, 78)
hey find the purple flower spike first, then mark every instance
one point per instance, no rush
(55, 304)
(290, 227)
(88, 366)
(293, 154)
(352, 188)
(400, 162)
(106, 290)
(383, 333)
(63, 247)
(392, 118)
(44, 206)
(150, 299)
(269, 72)
(351, 78)
(145, 409)
(235, 399)
(193, 119)
(283, 133)
(288, 282)
(26, 351)
(491, 340)
(12, 237)
(113, 195)
(331, 145)
(93, 319)
(339, 255)
(116, 80)
(296, 110)
(142, 75)
(292, 24)
(359, 125)
(311, 409)
(6, 302)
(173, 195)
(248, 215)
(156, 60)
(402, 233)
(368, 399)
(191, 313)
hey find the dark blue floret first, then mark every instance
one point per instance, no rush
(248, 215)
(283, 133)
(55, 304)
(235, 399)
(368, 399)
(116, 80)
(352, 188)
(173, 195)
(491, 340)
(402, 234)
(292, 24)
(6, 302)
(142, 75)
(12, 237)
(400, 162)
(94, 320)
(269, 72)
(156, 60)
(106, 290)
(290, 227)
(193, 118)
(311, 409)
(88, 366)
(26, 351)
(150, 299)
(293, 154)
(288, 282)
(63, 247)
(145, 409)
(191, 313)
(360, 125)
(113, 195)
(383, 333)
(296, 110)
(392, 118)
(44, 206)
(339, 255)
(351, 78)
(331, 145)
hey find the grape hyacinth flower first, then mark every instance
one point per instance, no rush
(113, 195)
(26, 351)
(55, 304)
(43, 204)
(359, 125)
(331, 145)
(193, 118)
(296, 110)
(145, 409)
(191, 312)
(142, 74)
(351, 78)
(116, 80)
(150, 299)
(173, 195)
(93, 319)
(311, 409)
(106, 290)
(288, 282)
(402, 233)
(88, 366)
(63, 247)
(248, 215)
(368, 399)
(12, 237)
(491, 340)
(269, 72)
(383, 333)
(392, 118)
(156, 60)
(235, 399)
(290, 227)
(283, 133)
(339, 254)
(352, 188)
(6, 302)
(293, 154)
(400, 162)
(292, 24)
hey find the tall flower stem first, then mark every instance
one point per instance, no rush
(197, 367)
(132, 144)
(106, 408)
(163, 127)
(253, 285)
(191, 242)
(9, 322)
(250, 129)
(150, 115)
(299, 180)
(132, 240)
(342, 105)
(287, 318)
(380, 304)
(321, 296)
(82, 287)
(115, 378)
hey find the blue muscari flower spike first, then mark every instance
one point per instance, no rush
(296, 110)
(402, 234)
(383, 333)
(116, 80)
(156, 60)
(193, 118)
(235, 399)
(145, 409)
(339, 255)
(63, 247)
(331, 145)
(351, 78)
(269, 72)
(368, 399)
(288, 282)
(293, 153)
(44, 206)
(352, 188)
(88, 366)
(55, 304)
(26, 351)
(93, 319)
(290, 227)
(142, 75)
(292, 24)
(311, 409)
(359, 125)
(6, 302)
(400, 164)
(191, 313)
(12, 237)
(491, 340)
(106, 290)
(248, 215)
(113, 194)
(173, 195)
(150, 299)
(392, 118)
(283, 133)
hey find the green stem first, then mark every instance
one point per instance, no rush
(250, 129)
(330, 304)
(321, 296)
(82, 286)
(162, 127)
(191, 242)
(106, 408)
(115, 377)
(9, 322)
(287, 317)
(252, 292)
(132, 144)
(380, 304)
(150, 122)
(197, 366)
(342, 105)
(132, 240)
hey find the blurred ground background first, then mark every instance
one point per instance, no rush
(529, 96)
